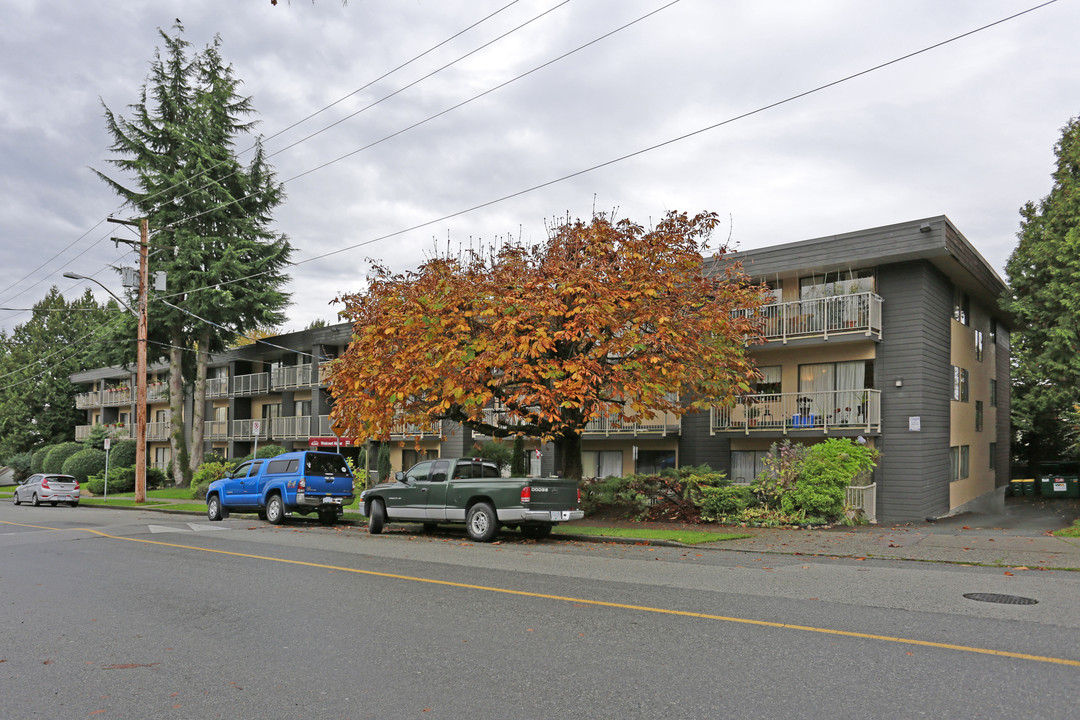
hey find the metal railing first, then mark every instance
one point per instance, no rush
(863, 497)
(216, 430)
(116, 396)
(297, 427)
(117, 431)
(157, 391)
(243, 429)
(820, 317)
(217, 387)
(86, 400)
(254, 384)
(773, 412)
(292, 376)
(653, 425)
(158, 431)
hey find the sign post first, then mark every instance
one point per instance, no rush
(256, 426)
(337, 430)
(108, 442)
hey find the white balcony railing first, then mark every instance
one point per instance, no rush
(244, 430)
(216, 430)
(86, 400)
(399, 431)
(297, 427)
(863, 497)
(155, 392)
(116, 396)
(292, 376)
(821, 317)
(829, 410)
(116, 431)
(217, 387)
(255, 384)
(158, 431)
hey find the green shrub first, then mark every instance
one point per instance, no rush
(84, 464)
(519, 460)
(830, 467)
(726, 501)
(207, 473)
(122, 454)
(500, 453)
(37, 464)
(54, 461)
(674, 495)
(382, 462)
(20, 465)
(269, 451)
(781, 471)
(122, 480)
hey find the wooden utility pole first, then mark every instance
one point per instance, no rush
(140, 396)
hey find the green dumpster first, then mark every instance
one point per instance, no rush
(1060, 479)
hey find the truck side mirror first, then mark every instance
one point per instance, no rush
(399, 476)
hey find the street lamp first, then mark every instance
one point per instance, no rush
(140, 392)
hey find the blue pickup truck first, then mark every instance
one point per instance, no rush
(294, 482)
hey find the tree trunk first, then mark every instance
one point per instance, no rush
(176, 407)
(198, 408)
(570, 449)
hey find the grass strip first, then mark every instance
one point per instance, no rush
(1069, 532)
(686, 537)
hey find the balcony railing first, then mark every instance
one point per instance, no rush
(244, 430)
(86, 400)
(324, 373)
(158, 431)
(217, 387)
(119, 432)
(156, 392)
(821, 317)
(399, 431)
(216, 430)
(255, 384)
(297, 427)
(116, 396)
(654, 425)
(783, 412)
(292, 376)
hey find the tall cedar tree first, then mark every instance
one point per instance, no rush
(211, 217)
(1044, 272)
(37, 401)
(604, 320)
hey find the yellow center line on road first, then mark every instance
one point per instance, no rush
(602, 603)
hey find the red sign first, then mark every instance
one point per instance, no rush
(329, 441)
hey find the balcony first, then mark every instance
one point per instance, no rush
(118, 432)
(245, 430)
(297, 427)
(217, 387)
(86, 400)
(216, 430)
(821, 317)
(116, 396)
(255, 384)
(156, 392)
(655, 425)
(827, 411)
(292, 376)
(158, 431)
(400, 431)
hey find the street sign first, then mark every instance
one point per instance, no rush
(337, 429)
(108, 442)
(255, 426)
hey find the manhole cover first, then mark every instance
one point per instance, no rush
(1003, 599)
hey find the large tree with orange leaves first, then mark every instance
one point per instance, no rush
(605, 319)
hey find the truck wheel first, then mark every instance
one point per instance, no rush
(327, 517)
(275, 510)
(535, 532)
(213, 509)
(482, 524)
(377, 518)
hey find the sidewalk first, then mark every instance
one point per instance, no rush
(1017, 537)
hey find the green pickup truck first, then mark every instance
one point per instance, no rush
(471, 491)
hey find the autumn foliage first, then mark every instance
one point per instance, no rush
(605, 319)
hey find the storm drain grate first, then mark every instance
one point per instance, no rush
(1003, 599)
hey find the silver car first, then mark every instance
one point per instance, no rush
(46, 487)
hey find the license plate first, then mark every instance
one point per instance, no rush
(558, 515)
(331, 501)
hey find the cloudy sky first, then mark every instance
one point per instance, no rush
(966, 129)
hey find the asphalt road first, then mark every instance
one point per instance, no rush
(121, 614)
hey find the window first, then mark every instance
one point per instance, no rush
(438, 471)
(420, 471)
(770, 380)
(961, 383)
(602, 463)
(653, 461)
(835, 392)
(978, 416)
(961, 307)
(279, 467)
(302, 408)
(978, 345)
(993, 331)
(993, 393)
(959, 455)
(993, 456)
(844, 282)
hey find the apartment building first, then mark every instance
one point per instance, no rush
(892, 335)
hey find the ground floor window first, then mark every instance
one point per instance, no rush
(162, 458)
(411, 457)
(601, 463)
(652, 462)
(959, 462)
(745, 465)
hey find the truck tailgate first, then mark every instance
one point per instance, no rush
(553, 494)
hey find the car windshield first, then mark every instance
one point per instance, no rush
(326, 464)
